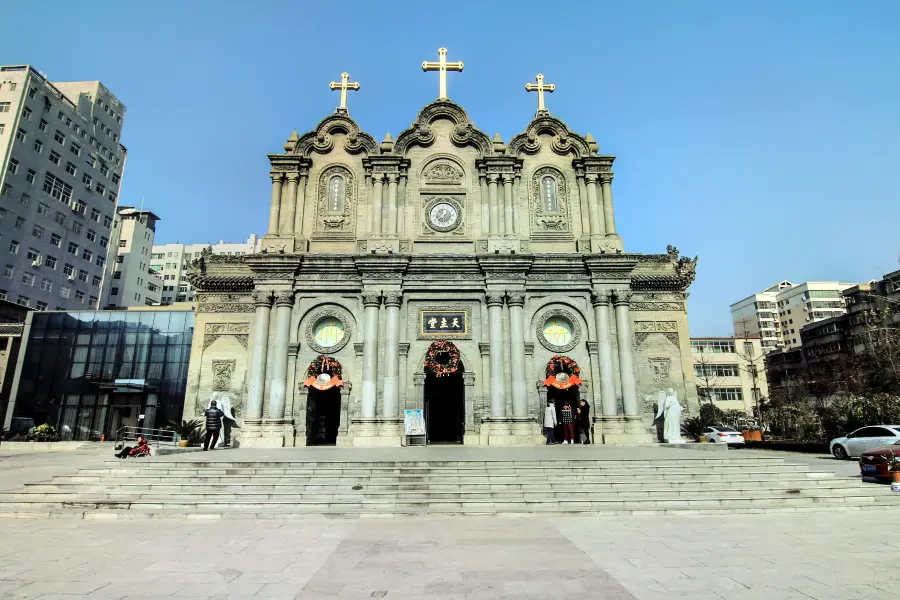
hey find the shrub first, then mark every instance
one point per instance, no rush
(44, 433)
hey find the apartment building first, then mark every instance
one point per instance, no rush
(172, 261)
(778, 313)
(62, 164)
(133, 282)
(730, 372)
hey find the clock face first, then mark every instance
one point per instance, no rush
(443, 216)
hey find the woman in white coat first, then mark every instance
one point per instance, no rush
(550, 422)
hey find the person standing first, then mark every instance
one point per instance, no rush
(584, 420)
(213, 425)
(568, 423)
(550, 422)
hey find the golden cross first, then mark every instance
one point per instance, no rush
(344, 85)
(540, 88)
(442, 66)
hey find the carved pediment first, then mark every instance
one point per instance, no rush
(321, 140)
(420, 133)
(564, 141)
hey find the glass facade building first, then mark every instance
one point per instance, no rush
(89, 373)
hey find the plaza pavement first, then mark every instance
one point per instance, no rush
(778, 556)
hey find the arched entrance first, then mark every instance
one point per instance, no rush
(563, 382)
(445, 404)
(323, 404)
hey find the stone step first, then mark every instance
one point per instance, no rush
(737, 459)
(526, 486)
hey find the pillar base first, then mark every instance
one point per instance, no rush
(266, 433)
(510, 431)
(627, 431)
(373, 433)
(606, 244)
(283, 243)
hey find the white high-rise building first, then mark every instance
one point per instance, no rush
(778, 313)
(61, 170)
(131, 281)
(172, 260)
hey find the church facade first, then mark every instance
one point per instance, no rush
(444, 270)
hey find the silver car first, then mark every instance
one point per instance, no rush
(723, 435)
(864, 438)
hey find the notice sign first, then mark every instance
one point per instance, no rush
(414, 421)
(444, 323)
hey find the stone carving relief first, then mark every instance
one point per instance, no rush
(222, 372)
(442, 172)
(335, 215)
(660, 367)
(549, 208)
(214, 331)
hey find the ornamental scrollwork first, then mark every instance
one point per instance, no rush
(443, 172)
(225, 308)
(549, 203)
(568, 316)
(324, 312)
(222, 372)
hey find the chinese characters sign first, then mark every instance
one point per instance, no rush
(444, 323)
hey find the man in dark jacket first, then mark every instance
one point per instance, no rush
(213, 425)
(584, 420)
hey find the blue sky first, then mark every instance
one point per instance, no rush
(762, 136)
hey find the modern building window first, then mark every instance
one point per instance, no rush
(104, 242)
(107, 221)
(26, 113)
(54, 157)
(87, 255)
(20, 223)
(21, 135)
(82, 275)
(25, 200)
(95, 280)
(23, 300)
(117, 275)
(69, 270)
(30, 176)
(42, 125)
(3, 294)
(79, 296)
(92, 301)
(100, 261)
(46, 285)
(28, 278)
(120, 259)
(13, 166)
(123, 243)
(59, 137)
(65, 291)
(75, 149)
(70, 168)
(38, 232)
(73, 248)
(38, 146)
(56, 240)
(114, 291)
(7, 190)
(104, 170)
(50, 262)
(91, 235)
(9, 271)
(95, 215)
(57, 188)
(41, 305)
(14, 247)
(4, 107)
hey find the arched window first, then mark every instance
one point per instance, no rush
(335, 194)
(549, 194)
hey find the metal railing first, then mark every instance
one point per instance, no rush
(157, 437)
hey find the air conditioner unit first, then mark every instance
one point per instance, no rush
(72, 277)
(87, 186)
(36, 263)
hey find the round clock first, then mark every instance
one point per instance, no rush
(443, 216)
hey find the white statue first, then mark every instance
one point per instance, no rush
(671, 408)
(223, 403)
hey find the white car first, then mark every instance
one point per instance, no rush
(864, 438)
(723, 435)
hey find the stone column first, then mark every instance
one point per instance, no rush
(301, 206)
(284, 302)
(419, 400)
(484, 384)
(495, 316)
(516, 303)
(469, 387)
(494, 228)
(606, 181)
(263, 301)
(289, 204)
(376, 207)
(626, 361)
(597, 226)
(508, 204)
(401, 205)
(391, 399)
(344, 424)
(276, 202)
(293, 397)
(404, 375)
(485, 206)
(600, 300)
(392, 204)
(585, 206)
(370, 354)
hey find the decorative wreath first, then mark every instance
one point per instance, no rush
(324, 364)
(562, 364)
(442, 358)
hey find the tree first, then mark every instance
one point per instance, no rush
(705, 370)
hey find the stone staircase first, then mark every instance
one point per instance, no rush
(166, 487)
